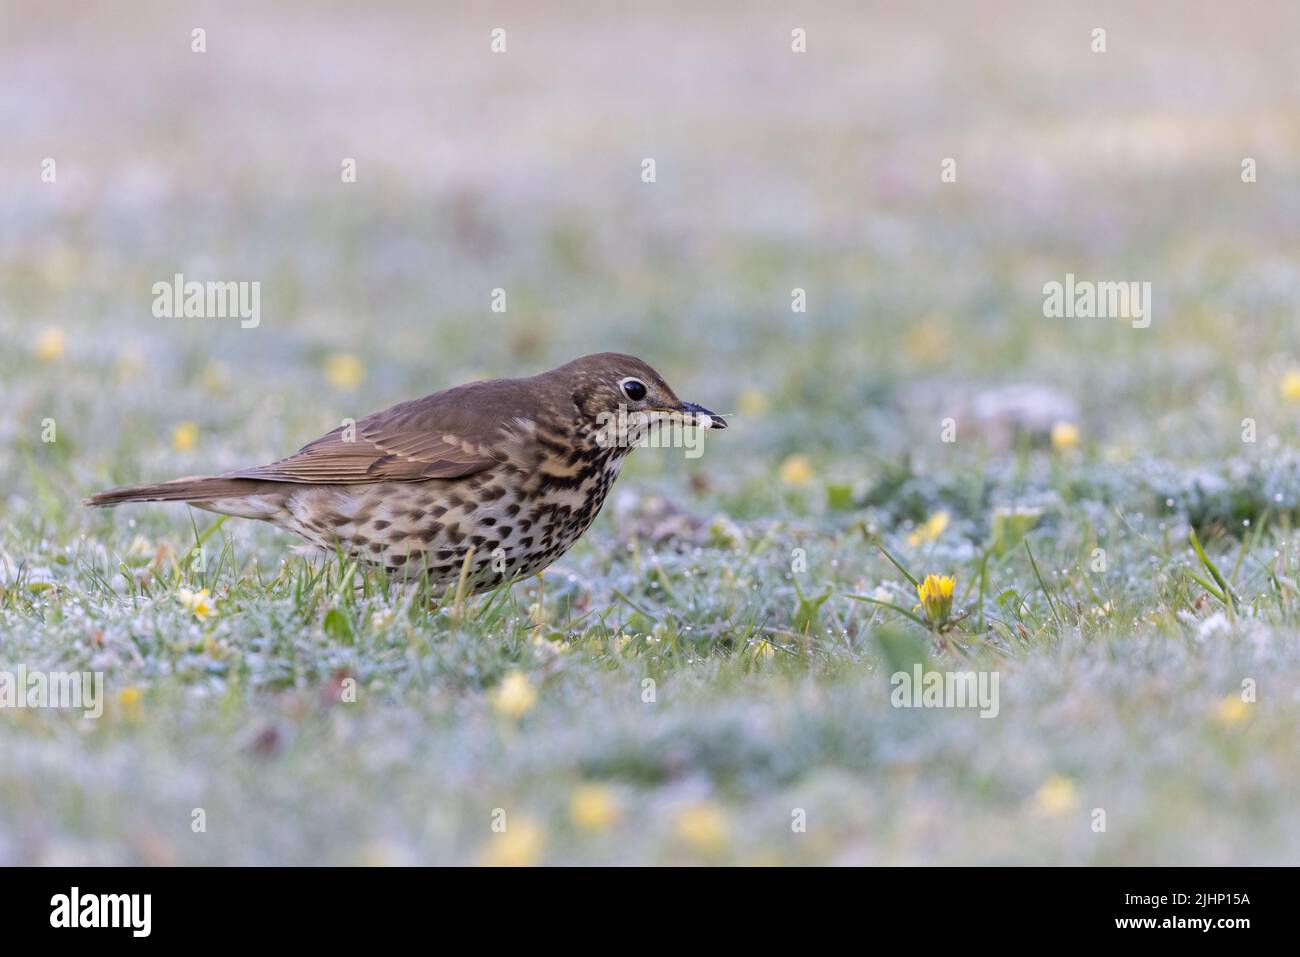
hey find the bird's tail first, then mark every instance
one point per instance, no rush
(195, 488)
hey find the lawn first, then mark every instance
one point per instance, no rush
(709, 675)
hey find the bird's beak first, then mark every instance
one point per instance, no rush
(699, 415)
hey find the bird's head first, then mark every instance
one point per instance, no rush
(615, 391)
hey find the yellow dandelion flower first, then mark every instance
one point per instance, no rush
(796, 470)
(514, 697)
(1231, 711)
(344, 371)
(129, 699)
(50, 345)
(1291, 385)
(1065, 436)
(933, 527)
(519, 845)
(1057, 796)
(593, 807)
(199, 603)
(185, 436)
(202, 606)
(936, 597)
(751, 402)
(703, 826)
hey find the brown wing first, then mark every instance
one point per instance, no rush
(445, 435)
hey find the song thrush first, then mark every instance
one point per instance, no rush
(512, 469)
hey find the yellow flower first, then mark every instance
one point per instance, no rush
(185, 436)
(1231, 711)
(1057, 796)
(751, 402)
(761, 650)
(197, 602)
(515, 696)
(936, 597)
(593, 807)
(519, 845)
(50, 345)
(1065, 436)
(933, 527)
(796, 470)
(1291, 385)
(344, 371)
(129, 700)
(703, 826)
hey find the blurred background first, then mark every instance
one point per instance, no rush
(775, 171)
(522, 171)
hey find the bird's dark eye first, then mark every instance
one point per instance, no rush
(634, 389)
